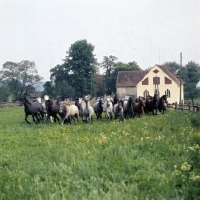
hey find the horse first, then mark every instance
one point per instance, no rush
(119, 111)
(161, 103)
(98, 108)
(36, 110)
(128, 107)
(108, 108)
(86, 110)
(148, 108)
(138, 107)
(52, 109)
(154, 104)
(67, 111)
(115, 99)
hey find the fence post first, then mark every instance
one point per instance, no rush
(176, 106)
(197, 108)
(189, 107)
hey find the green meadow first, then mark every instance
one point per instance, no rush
(150, 158)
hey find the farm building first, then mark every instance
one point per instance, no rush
(159, 79)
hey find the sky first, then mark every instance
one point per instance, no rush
(147, 32)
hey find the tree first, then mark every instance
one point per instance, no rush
(4, 93)
(80, 66)
(49, 89)
(133, 66)
(173, 66)
(18, 75)
(112, 68)
(108, 64)
(191, 78)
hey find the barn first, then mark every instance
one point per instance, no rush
(159, 79)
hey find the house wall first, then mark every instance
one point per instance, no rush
(162, 87)
(124, 91)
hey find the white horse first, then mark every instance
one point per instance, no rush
(67, 111)
(86, 110)
(108, 107)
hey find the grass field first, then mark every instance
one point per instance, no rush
(153, 157)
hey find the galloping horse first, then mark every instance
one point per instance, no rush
(148, 107)
(30, 108)
(154, 104)
(128, 107)
(52, 109)
(98, 108)
(161, 103)
(139, 106)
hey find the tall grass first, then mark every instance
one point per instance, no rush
(152, 157)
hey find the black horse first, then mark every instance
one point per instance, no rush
(161, 104)
(148, 108)
(154, 104)
(98, 108)
(35, 109)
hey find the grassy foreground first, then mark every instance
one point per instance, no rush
(153, 157)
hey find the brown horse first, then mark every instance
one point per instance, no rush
(52, 109)
(138, 107)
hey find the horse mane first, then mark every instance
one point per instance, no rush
(52, 102)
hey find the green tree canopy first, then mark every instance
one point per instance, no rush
(79, 66)
(173, 66)
(18, 75)
(191, 75)
(112, 67)
(108, 64)
(4, 93)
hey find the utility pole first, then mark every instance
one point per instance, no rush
(91, 85)
(180, 75)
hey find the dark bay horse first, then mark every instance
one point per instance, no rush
(139, 106)
(35, 109)
(161, 103)
(52, 109)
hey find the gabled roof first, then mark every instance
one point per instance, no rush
(130, 78)
(35, 94)
(170, 74)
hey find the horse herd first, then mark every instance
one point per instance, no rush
(121, 108)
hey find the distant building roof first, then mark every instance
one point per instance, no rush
(35, 94)
(130, 78)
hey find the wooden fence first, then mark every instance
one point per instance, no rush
(9, 104)
(189, 107)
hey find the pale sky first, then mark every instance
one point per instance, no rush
(148, 32)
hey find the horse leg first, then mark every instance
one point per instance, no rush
(33, 117)
(26, 118)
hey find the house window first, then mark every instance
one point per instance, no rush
(167, 92)
(168, 81)
(145, 81)
(156, 80)
(145, 94)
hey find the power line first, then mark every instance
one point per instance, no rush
(192, 47)
(192, 52)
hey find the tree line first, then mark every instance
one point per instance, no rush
(79, 74)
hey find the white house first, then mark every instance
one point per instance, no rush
(159, 79)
